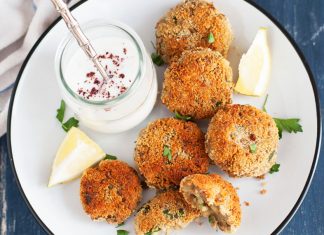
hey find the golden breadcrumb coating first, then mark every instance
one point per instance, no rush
(165, 211)
(110, 191)
(242, 140)
(198, 83)
(188, 25)
(184, 140)
(215, 198)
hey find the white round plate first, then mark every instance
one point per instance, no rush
(35, 134)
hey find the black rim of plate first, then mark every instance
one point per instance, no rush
(283, 30)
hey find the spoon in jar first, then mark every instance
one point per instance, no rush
(81, 38)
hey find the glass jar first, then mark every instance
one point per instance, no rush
(119, 107)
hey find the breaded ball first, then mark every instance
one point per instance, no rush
(191, 24)
(215, 198)
(111, 191)
(242, 140)
(165, 211)
(198, 83)
(169, 149)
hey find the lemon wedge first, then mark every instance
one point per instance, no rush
(76, 153)
(254, 68)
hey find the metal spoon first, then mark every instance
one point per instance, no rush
(81, 38)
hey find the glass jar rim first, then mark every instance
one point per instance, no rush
(100, 23)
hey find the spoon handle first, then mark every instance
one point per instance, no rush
(81, 38)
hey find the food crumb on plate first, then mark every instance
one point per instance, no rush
(263, 191)
(261, 177)
(246, 203)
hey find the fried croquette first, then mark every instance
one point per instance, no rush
(169, 149)
(198, 83)
(242, 140)
(110, 191)
(165, 211)
(194, 23)
(215, 198)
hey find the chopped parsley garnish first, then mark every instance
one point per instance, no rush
(61, 111)
(157, 59)
(72, 122)
(271, 155)
(175, 215)
(253, 148)
(121, 224)
(290, 125)
(264, 104)
(274, 168)
(60, 116)
(218, 103)
(181, 117)
(211, 38)
(110, 157)
(181, 212)
(153, 230)
(211, 219)
(122, 232)
(167, 152)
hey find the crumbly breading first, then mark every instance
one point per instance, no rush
(242, 140)
(186, 144)
(110, 191)
(188, 25)
(198, 83)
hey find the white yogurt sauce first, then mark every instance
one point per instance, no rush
(119, 57)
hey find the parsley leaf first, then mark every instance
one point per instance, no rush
(153, 230)
(61, 111)
(264, 104)
(211, 38)
(72, 122)
(153, 45)
(167, 152)
(211, 219)
(181, 117)
(157, 59)
(110, 157)
(122, 232)
(121, 224)
(290, 125)
(274, 168)
(253, 148)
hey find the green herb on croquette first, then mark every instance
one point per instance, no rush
(211, 38)
(167, 152)
(181, 117)
(253, 148)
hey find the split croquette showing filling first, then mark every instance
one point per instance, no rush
(165, 211)
(215, 198)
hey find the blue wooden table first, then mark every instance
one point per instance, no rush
(304, 20)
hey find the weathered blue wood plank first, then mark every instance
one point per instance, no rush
(304, 20)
